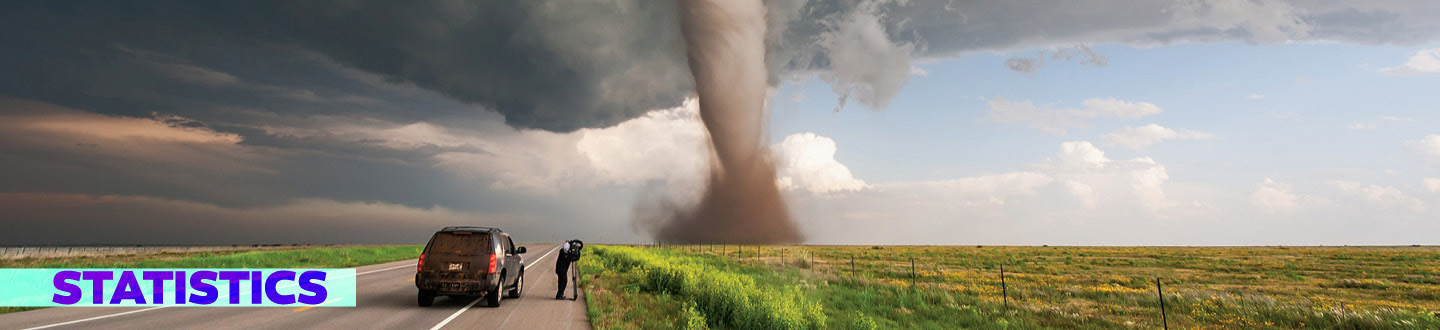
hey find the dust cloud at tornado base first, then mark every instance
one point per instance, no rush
(740, 203)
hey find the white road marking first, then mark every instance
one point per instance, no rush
(472, 303)
(381, 270)
(547, 254)
(457, 313)
(166, 306)
(97, 318)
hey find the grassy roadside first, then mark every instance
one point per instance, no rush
(1049, 288)
(336, 257)
(632, 288)
(635, 288)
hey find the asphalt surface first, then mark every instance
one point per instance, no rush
(386, 300)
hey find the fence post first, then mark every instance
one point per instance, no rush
(782, 257)
(1004, 291)
(1161, 292)
(912, 272)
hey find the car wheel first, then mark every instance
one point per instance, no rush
(493, 298)
(519, 286)
(425, 298)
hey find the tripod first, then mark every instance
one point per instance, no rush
(574, 281)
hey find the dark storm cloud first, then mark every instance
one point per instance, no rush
(549, 65)
(51, 149)
(564, 65)
(171, 180)
(947, 28)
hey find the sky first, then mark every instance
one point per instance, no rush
(1096, 122)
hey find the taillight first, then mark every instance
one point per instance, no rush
(420, 266)
(492, 263)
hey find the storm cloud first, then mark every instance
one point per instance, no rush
(564, 65)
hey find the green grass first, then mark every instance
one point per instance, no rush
(614, 300)
(336, 257)
(710, 292)
(958, 287)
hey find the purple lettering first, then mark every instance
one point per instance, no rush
(97, 280)
(272, 289)
(157, 285)
(62, 283)
(307, 283)
(234, 276)
(197, 282)
(180, 287)
(127, 288)
(255, 293)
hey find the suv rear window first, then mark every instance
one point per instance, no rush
(462, 244)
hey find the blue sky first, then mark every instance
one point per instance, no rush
(1318, 118)
(1309, 96)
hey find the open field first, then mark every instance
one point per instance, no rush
(1047, 287)
(333, 257)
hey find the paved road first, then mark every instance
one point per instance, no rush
(386, 294)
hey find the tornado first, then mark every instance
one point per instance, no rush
(741, 203)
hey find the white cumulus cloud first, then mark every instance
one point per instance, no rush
(1432, 184)
(807, 162)
(1083, 163)
(1148, 183)
(1083, 193)
(1148, 135)
(663, 145)
(1427, 148)
(1274, 197)
(1082, 155)
(1386, 198)
(1423, 62)
(1119, 109)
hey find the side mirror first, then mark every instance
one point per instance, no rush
(520, 250)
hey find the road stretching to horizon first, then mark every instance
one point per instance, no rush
(386, 300)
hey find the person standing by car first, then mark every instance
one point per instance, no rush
(569, 253)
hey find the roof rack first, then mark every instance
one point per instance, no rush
(470, 228)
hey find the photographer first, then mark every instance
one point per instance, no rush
(569, 253)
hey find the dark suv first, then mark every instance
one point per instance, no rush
(470, 261)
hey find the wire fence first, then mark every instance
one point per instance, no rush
(903, 270)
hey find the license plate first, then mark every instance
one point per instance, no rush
(454, 266)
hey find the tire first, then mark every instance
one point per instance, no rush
(492, 298)
(519, 286)
(425, 298)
